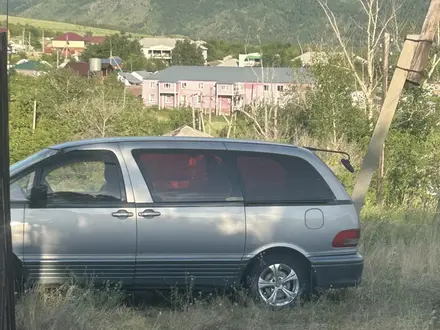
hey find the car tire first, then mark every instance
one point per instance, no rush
(278, 280)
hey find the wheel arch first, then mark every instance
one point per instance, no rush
(274, 250)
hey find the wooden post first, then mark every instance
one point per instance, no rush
(210, 110)
(381, 170)
(383, 124)
(34, 122)
(421, 57)
(202, 121)
(209, 120)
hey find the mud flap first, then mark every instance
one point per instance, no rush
(21, 274)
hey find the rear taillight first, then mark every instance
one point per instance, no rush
(347, 238)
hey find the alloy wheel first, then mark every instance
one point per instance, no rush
(278, 285)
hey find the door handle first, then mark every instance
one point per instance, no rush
(149, 213)
(122, 214)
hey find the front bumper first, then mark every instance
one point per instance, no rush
(337, 271)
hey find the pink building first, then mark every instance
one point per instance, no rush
(219, 89)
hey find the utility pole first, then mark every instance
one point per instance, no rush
(202, 122)
(386, 65)
(29, 42)
(67, 48)
(34, 122)
(42, 41)
(193, 111)
(411, 60)
(421, 57)
(7, 299)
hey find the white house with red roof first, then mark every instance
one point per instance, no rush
(69, 43)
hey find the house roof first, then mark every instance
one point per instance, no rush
(230, 75)
(232, 62)
(152, 42)
(144, 74)
(94, 39)
(214, 63)
(130, 78)
(253, 57)
(3, 29)
(70, 36)
(31, 65)
(308, 58)
(187, 131)
(82, 68)
(168, 43)
(115, 60)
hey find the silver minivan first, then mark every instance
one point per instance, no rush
(161, 212)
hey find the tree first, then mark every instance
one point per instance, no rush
(379, 16)
(50, 58)
(73, 107)
(123, 46)
(329, 112)
(96, 112)
(136, 62)
(115, 45)
(187, 53)
(279, 54)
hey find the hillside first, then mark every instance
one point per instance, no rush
(231, 19)
(57, 26)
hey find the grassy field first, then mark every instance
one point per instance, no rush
(401, 290)
(60, 26)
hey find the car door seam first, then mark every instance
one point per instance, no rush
(135, 209)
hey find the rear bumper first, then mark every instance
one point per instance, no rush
(337, 271)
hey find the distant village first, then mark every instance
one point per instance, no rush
(218, 87)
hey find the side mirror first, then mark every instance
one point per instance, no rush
(347, 165)
(38, 197)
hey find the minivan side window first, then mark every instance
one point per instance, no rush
(187, 176)
(272, 178)
(84, 176)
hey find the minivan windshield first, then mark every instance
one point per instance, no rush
(35, 158)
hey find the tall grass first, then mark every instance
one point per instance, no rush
(400, 290)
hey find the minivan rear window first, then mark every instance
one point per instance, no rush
(187, 176)
(272, 178)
